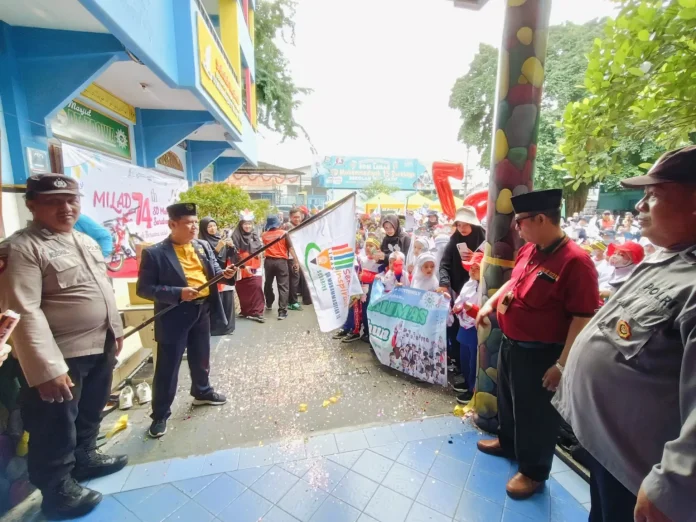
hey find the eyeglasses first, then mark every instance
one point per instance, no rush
(519, 220)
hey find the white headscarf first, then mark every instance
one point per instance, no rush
(424, 242)
(420, 280)
(441, 241)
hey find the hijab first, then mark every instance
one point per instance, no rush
(398, 242)
(204, 235)
(246, 241)
(420, 280)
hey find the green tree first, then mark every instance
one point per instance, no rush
(224, 202)
(474, 95)
(377, 187)
(276, 92)
(641, 88)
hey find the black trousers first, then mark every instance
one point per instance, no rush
(217, 326)
(57, 431)
(294, 283)
(611, 501)
(304, 290)
(277, 268)
(528, 422)
(195, 339)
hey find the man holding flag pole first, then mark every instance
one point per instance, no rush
(180, 277)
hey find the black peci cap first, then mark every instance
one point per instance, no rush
(179, 210)
(537, 201)
(51, 184)
(676, 166)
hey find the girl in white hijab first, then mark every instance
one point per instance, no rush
(424, 277)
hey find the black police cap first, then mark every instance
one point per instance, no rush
(51, 184)
(179, 210)
(537, 201)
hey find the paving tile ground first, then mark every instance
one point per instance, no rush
(434, 479)
(387, 451)
(267, 371)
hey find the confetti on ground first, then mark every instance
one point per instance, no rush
(326, 404)
(333, 400)
(303, 408)
(119, 425)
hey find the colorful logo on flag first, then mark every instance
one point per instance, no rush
(335, 258)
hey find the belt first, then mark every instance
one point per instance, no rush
(533, 345)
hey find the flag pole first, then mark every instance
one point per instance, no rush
(220, 277)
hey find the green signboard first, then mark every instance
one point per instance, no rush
(83, 125)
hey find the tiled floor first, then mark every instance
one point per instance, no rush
(422, 471)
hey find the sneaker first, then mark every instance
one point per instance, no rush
(295, 307)
(365, 338)
(460, 386)
(212, 399)
(125, 398)
(282, 315)
(465, 398)
(68, 500)
(143, 392)
(269, 307)
(257, 318)
(92, 464)
(340, 334)
(350, 338)
(157, 428)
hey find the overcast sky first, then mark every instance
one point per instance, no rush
(382, 72)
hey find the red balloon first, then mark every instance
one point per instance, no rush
(441, 172)
(478, 200)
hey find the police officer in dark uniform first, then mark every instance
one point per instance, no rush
(66, 341)
(551, 295)
(170, 272)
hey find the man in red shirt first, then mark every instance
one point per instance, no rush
(551, 295)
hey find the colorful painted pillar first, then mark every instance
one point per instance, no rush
(516, 124)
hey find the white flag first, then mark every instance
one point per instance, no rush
(326, 249)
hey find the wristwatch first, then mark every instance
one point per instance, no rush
(560, 367)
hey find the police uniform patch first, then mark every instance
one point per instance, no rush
(59, 183)
(3, 263)
(623, 329)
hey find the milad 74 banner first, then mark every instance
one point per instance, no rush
(408, 330)
(326, 252)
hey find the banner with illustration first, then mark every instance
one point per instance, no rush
(326, 252)
(128, 200)
(408, 331)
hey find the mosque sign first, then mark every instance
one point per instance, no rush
(83, 125)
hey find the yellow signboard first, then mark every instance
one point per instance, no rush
(104, 98)
(217, 78)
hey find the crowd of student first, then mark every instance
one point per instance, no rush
(444, 256)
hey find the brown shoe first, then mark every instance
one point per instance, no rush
(521, 487)
(490, 447)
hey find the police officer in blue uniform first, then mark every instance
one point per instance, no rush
(170, 272)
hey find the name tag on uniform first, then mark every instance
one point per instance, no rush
(504, 302)
(547, 275)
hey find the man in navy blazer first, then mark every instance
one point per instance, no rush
(170, 272)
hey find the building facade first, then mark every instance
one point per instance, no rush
(155, 93)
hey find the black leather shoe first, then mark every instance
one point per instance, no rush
(68, 500)
(92, 464)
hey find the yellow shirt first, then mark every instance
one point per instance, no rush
(193, 269)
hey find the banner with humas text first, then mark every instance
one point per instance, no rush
(408, 331)
(326, 252)
(121, 195)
